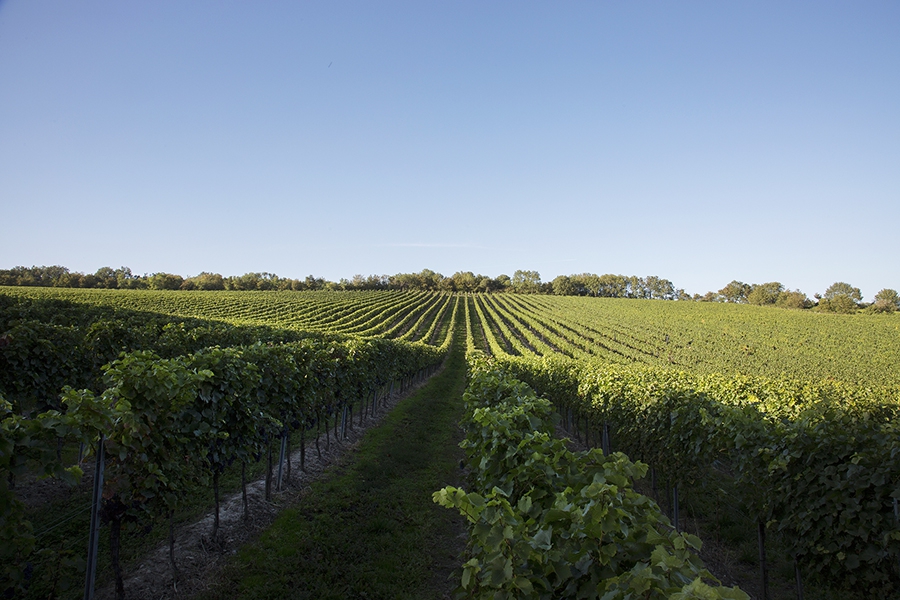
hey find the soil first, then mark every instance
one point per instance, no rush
(35, 491)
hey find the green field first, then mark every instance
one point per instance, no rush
(695, 336)
(792, 411)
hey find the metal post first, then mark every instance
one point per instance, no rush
(897, 516)
(675, 506)
(94, 538)
(763, 568)
(281, 460)
(606, 439)
(797, 577)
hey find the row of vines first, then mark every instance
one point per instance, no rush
(817, 463)
(699, 337)
(546, 522)
(380, 314)
(173, 403)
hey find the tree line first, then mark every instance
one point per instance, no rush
(840, 297)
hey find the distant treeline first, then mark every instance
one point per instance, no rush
(840, 297)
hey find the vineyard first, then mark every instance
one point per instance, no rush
(796, 410)
(692, 336)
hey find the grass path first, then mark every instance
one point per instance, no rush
(369, 529)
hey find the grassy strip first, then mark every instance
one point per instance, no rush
(370, 529)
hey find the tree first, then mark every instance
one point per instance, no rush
(207, 281)
(612, 286)
(841, 288)
(165, 281)
(588, 284)
(887, 300)
(659, 288)
(795, 299)
(526, 282)
(488, 284)
(563, 286)
(429, 279)
(465, 281)
(736, 291)
(314, 283)
(106, 278)
(447, 284)
(764, 293)
(840, 297)
(126, 280)
(637, 287)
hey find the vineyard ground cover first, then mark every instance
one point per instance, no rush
(369, 529)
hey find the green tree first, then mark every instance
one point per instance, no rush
(612, 286)
(841, 288)
(795, 299)
(165, 281)
(526, 282)
(765, 293)
(586, 284)
(106, 278)
(659, 288)
(736, 292)
(314, 283)
(840, 297)
(489, 284)
(464, 281)
(563, 285)
(126, 280)
(429, 280)
(887, 300)
(637, 287)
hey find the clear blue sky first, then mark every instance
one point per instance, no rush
(697, 141)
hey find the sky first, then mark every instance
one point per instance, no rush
(697, 141)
